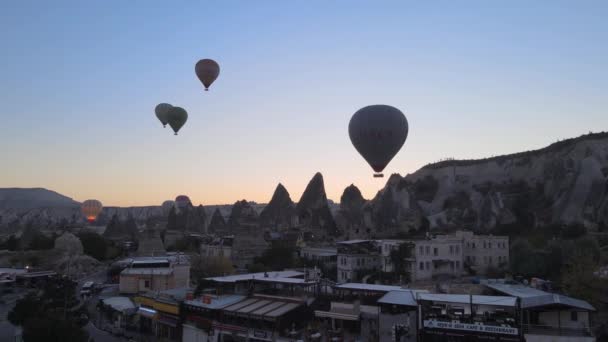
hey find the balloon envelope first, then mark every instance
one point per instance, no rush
(176, 117)
(378, 132)
(162, 111)
(182, 201)
(207, 71)
(166, 206)
(91, 209)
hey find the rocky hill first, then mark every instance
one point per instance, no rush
(29, 198)
(313, 210)
(279, 213)
(562, 183)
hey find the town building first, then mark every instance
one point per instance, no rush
(546, 315)
(155, 274)
(325, 255)
(483, 252)
(349, 321)
(159, 313)
(398, 316)
(357, 258)
(245, 318)
(439, 256)
(220, 247)
(460, 317)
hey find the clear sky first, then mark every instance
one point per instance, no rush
(79, 81)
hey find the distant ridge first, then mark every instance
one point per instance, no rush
(29, 198)
(532, 153)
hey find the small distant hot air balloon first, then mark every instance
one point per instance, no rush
(176, 117)
(182, 202)
(162, 111)
(90, 209)
(207, 71)
(166, 206)
(378, 132)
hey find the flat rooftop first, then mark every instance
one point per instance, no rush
(369, 287)
(531, 297)
(261, 275)
(215, 302)
(466, 299)
(401, 297)
(147, 271)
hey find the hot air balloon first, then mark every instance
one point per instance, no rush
(161, 111)
(207, 71)
(182, 202)
(378, 132)
(166, 206)
(90, 209)
(176, 117)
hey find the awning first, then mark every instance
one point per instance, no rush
(166, 320)
(146, 312)
(335, 315)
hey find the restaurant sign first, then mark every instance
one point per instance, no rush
(488, 329)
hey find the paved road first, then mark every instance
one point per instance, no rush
(102, 336)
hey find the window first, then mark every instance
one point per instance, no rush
(421, 266)
(428, 250)
(573, 316)
(473, 245)
(451, 249)
(457, 249)
(435, 251)
(421, 250)
(457, 265)
(428, 265)
(490, 244)
(147, 284)
(452, 265)
(490, 259)
(484, 244)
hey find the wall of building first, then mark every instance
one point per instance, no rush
(388, 321)
(181, 276)
(137, 283)
(128, 284)
(349, 265)
(437, 257)
(564, 318)
(484, 251)
(192, 334)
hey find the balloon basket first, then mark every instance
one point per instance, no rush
(175, 133)
(206, 89)
(378, 175)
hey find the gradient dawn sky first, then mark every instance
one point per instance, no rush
(79, 81)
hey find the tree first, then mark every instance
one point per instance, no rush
(172, 219)
(11, 244)
(93, 245)
(40, 241)
(579, 281)
(527, 261)
(399, 258)
(44, 317)
(277, 257)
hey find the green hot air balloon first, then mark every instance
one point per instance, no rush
(176, 118)
(161, 111)
(378, 132)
